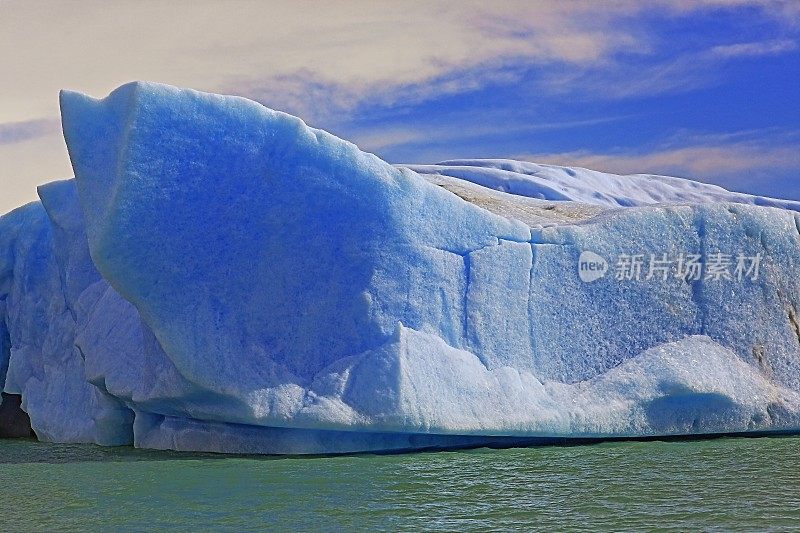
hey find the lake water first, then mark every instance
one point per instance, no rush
(723, 484)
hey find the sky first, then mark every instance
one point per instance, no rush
(704, 89)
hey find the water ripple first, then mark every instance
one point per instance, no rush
(715, 485)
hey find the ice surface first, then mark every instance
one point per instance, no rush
(221, 277)
(557, 183)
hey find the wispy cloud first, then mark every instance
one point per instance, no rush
(737, 160)
(16, 132)
(358, 49)
(683, 72)
(697, 161)
(559, 48)
(754, 49)
(337, 54)
(379, 138)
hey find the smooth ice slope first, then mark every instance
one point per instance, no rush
(222, 277)
(557, 183)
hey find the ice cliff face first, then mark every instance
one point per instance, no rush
(221, 277)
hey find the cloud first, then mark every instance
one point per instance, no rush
(570, 49)
(379, 139)
(756, 49)
(647, 77)
(738, 160)
(358, 48)
(785, 12)
(16, 132)
(341, 52)
(686, 161)
(25, 165)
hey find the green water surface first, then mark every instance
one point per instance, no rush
(723, 484)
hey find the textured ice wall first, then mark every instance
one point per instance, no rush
(256, 285)
(45, 271)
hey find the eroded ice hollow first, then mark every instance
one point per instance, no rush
(221, 277)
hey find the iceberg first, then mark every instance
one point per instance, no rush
(219, 276)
